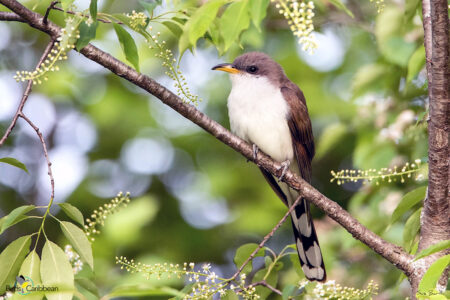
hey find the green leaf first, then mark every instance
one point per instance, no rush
(369, 77)
(183, 43)
(87, 285)
(79, 241)
(431, 277)
(258, 10)
(128, 45)
(289, 291)
(398, 51)
(438, 297)
(174, 27)
(93, 9)
(148, 5)
(12, 217)
(216, 39)
(14, 162)
(229, 295)
(199, 22)
(414, 248)
(243, 252)
(416, 63)
(296, 263)
(342, 6)
(233, 21)
(331, 136)
(87, 33)
(181, 21)
(267, 261)
(272, 280)
(143, 290)
(30, 268)
(411, 9)
(389, 23)
(412, 226)
(184, 291)
(72, 212)
(18, 219)
(408, 201)
(11, 259)
(65, 4)
(122, 18)
(56, 271)
(433, 249)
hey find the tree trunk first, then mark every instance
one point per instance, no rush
(435, 220)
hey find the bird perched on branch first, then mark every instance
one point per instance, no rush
(269, 111)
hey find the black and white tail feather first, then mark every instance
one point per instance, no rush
(307, 243)
(306, 240)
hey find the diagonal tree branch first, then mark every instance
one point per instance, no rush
(27, 91)
(389, 251)
(19, 113)
(9, 16)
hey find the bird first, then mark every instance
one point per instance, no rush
(269, 111)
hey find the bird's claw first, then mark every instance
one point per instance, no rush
(255, 151)
(284, 167)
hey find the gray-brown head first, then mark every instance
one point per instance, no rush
(254, 64)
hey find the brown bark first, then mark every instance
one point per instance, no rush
(435, 218)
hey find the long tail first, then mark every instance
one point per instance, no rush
(305, 234)
(307, 243)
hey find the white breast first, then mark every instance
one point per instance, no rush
(258, 114)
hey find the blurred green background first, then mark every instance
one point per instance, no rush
(193, 198)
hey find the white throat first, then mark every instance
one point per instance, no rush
(258, 114)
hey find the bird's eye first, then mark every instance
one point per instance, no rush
(252, 69)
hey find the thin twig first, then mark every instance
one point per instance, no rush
(47, 12)
(84, 15)
(44, 146)
(267, 237)
(265, 284)
(25, 95)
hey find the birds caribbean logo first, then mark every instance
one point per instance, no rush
(23, 285)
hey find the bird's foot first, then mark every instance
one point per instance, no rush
(255, 151)
(284, 167)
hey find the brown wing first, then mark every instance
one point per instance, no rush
(303, 143)
(300, 127)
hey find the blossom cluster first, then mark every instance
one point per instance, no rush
(380, 5)
(384, 174)
(65, 42)
(205, 282)
(333, 290)
(74, 259)
(138, 20)
(48, 65)
(172, 68)
(99, 215)
(299, 16)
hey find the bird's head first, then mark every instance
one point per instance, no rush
(253, 64)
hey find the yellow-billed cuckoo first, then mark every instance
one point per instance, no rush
(268, 110)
